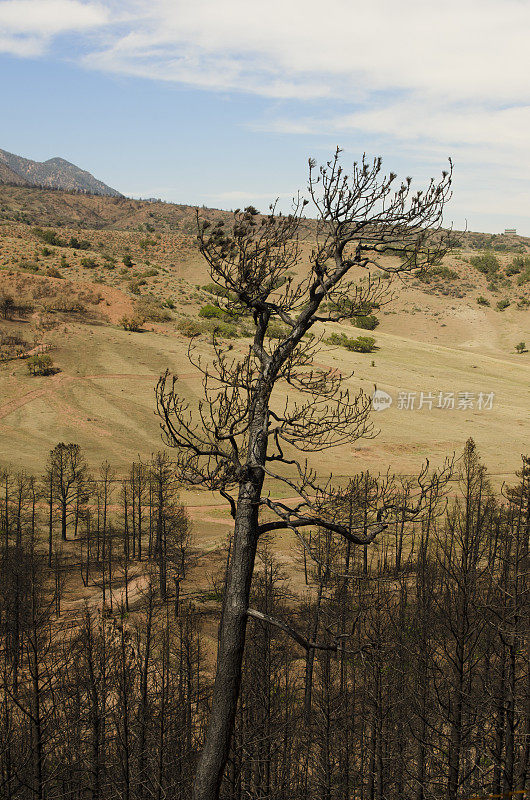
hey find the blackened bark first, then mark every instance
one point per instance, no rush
(231, 646)
(233, 628)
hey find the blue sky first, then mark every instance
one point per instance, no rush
(221, 102)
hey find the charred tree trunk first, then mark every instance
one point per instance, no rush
(232, 634)
(231, 646)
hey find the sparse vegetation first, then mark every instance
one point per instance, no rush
(441, 272)
(79, 244)
(209, 311)
(503, 304)
(132, 322)
(7, 305)
(49, 237)
(88, 262)
(361, 344)
(40, 364)
(148, 308)
(487, 263)
(368, 322)
(136, 284)
(190, 327)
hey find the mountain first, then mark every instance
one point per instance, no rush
(56, 173)
(7, 175)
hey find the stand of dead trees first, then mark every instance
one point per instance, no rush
(403, 674)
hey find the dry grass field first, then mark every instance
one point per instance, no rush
(433, 337)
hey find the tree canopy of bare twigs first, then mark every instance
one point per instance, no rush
(241, 435)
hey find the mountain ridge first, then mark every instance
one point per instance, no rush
(55, 173)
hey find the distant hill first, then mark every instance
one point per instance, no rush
(35, 205)
(7, 175)
(56, 173)
(57, 208)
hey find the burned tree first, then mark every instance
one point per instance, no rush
(245, 434)
(65, 480)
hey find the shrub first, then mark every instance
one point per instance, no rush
(225, 330)
(28, 266)
(487, 263)
(190, 327)
(134, 323)
(519, 264)
(151, 309)
(48, 237)
(63, 303)
(7, 305)
(53, 272)
(134, 286)
(437, 272)
(502, 304)
(521, 347)
(79, 244)
(524, 277)
(40, 364)
(483, 301)
(362, 344)
(88, 263)
(351, 307)
(210, 311)
(368, 323)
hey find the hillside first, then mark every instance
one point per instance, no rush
(109, 258)
(9, 176)
(37, 206)
(56, 173)
(40, 206)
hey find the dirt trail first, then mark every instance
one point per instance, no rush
(56, 382)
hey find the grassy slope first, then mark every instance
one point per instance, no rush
(103, 395)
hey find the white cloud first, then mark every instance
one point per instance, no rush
(463, 49)
(28, 26)
(455, 51)
(432, 78)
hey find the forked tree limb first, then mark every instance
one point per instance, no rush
(307, 644)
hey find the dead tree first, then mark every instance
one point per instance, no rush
(65, 481)
(243, 433)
